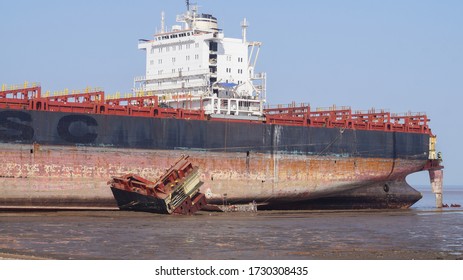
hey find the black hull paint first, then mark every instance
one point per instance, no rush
(56, 128)
(389, 195)
(131, 201)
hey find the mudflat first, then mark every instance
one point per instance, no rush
(313, 235)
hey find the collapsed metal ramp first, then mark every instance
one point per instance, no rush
(175, 192)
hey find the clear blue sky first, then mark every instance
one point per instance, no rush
(399, 55)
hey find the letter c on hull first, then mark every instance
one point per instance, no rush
(76, 129)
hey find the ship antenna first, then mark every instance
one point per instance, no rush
(163, 23)
(188, 5)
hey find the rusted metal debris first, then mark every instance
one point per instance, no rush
(242, 208)
(175, 192)
(251, 207)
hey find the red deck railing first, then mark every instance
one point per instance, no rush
(94, 102)
(344, 118)
(19, 97)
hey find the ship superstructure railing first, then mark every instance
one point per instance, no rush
(93, 101)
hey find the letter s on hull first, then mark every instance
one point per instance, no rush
(12, 127)
(76, 129)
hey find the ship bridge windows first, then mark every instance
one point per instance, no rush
(244, 104)
(207, 16)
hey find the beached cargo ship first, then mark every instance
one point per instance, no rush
(201, 96)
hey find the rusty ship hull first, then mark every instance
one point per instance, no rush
(64, 159)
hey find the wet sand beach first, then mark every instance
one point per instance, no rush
(421, 232)
(399, 234)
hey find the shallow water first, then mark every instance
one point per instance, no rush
(421, 232)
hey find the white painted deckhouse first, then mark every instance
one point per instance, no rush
(194, 65)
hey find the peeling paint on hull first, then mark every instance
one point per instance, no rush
(76, 177)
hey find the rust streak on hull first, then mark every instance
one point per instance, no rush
(76, 176)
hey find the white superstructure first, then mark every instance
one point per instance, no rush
(193, 65)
